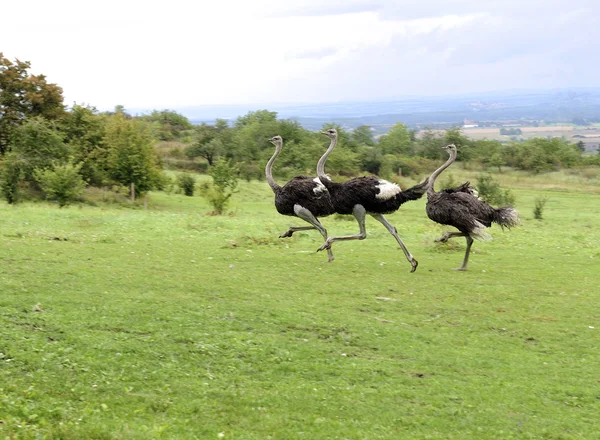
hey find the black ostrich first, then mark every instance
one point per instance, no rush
(302, 196)
(364, 195)
(463, 210)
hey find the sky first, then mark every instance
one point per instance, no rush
(171, 54)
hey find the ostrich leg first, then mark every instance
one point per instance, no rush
(360, 214)
(467, 252)
(308, 216)
(380, 218)
(293, 229)
(447, 235)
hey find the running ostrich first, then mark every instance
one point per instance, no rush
(366, 195)
(302, 196)
(463, 210)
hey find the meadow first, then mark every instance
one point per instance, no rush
(125, 323)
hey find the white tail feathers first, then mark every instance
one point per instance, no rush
(480, 233)
(507, 217)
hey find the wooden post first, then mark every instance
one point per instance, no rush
(132, 192)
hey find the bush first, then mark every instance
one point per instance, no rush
(490, 191)
(62, 183)
(225, 181)
(538, 209)
(187, 183)
(251, 171)
(10, 175)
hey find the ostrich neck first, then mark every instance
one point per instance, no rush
(437, 172)
(268, 170)
(323, 159)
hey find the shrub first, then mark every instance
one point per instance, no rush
(187, 183)
(250, 171)
(224, 185)
(62, 183)
(490, 191)
(10, 175)
(538, 209)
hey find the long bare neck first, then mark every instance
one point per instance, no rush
(437, 172)
(269, 168)
(323, 159)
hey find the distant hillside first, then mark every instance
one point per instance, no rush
(548, 105)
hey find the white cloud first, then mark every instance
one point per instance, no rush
(156, 54)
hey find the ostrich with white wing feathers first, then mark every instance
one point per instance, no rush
(366, 195)
(304, 197)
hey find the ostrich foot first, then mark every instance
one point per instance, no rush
(443, 239)
(414, 264)
(461, 269)
(326, 245)
(286, 234)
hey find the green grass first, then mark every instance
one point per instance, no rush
(167, 323)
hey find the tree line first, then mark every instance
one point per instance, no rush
(49, 149)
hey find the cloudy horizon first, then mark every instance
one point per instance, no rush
(148, 55)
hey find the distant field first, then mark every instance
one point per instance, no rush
(589, 135)
(169, 323)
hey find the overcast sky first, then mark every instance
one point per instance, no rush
(169, 54)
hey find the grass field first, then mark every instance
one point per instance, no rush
(121, 323)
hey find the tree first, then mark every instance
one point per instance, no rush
(396, 141)
(132, 159)
(83, 129)
(22, 96)
(201, 146)
(168, 124)
(10, 175)
(38, 145)
(363, 136)
(430, 145)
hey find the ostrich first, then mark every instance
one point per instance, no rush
(363, 195)
(463, 210)
(302, 196)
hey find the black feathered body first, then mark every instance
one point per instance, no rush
(370, 192)
(467, 213)
(306, 192)
(464, 188)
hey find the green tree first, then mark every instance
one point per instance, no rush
(204, 143)
(38, 145)
(429, 144)
(62, 183)
(363, 136)
(463, 144)
(132, 160)
(371, 160)
(84, 131)
(168, 124)
(396, 141)
(23, 95)
(10, 176)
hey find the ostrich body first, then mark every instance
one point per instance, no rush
(460, 207)
(366, 195)
(303, 197)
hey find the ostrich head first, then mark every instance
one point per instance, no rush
(331, 133)
(277, 141)
(450, 148)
